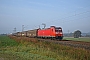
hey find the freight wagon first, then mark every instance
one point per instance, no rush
(32, 33)
(29, 33)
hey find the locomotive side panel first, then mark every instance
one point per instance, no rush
(46, 33)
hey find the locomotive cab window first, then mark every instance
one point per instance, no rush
(58, 30)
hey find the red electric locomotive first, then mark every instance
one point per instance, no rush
(52, 32)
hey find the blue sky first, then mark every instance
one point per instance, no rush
(69, 14)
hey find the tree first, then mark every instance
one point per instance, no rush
(77, 34)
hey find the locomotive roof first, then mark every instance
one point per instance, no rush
(50, 27)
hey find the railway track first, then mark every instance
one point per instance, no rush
(78, 44)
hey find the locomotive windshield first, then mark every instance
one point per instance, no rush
(58, 30)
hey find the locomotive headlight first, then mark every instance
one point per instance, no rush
(56, 32)
(60, 33)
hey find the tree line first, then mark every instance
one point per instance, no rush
(77, 34)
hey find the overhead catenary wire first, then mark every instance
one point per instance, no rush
(72, 15)
(75, 14)
(69, 16)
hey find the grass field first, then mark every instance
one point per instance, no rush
(38, 50)
(85, 39)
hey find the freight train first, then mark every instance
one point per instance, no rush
(50, 33)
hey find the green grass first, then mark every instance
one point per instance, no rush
(6, 41)
(85, 39)
(38, 50)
